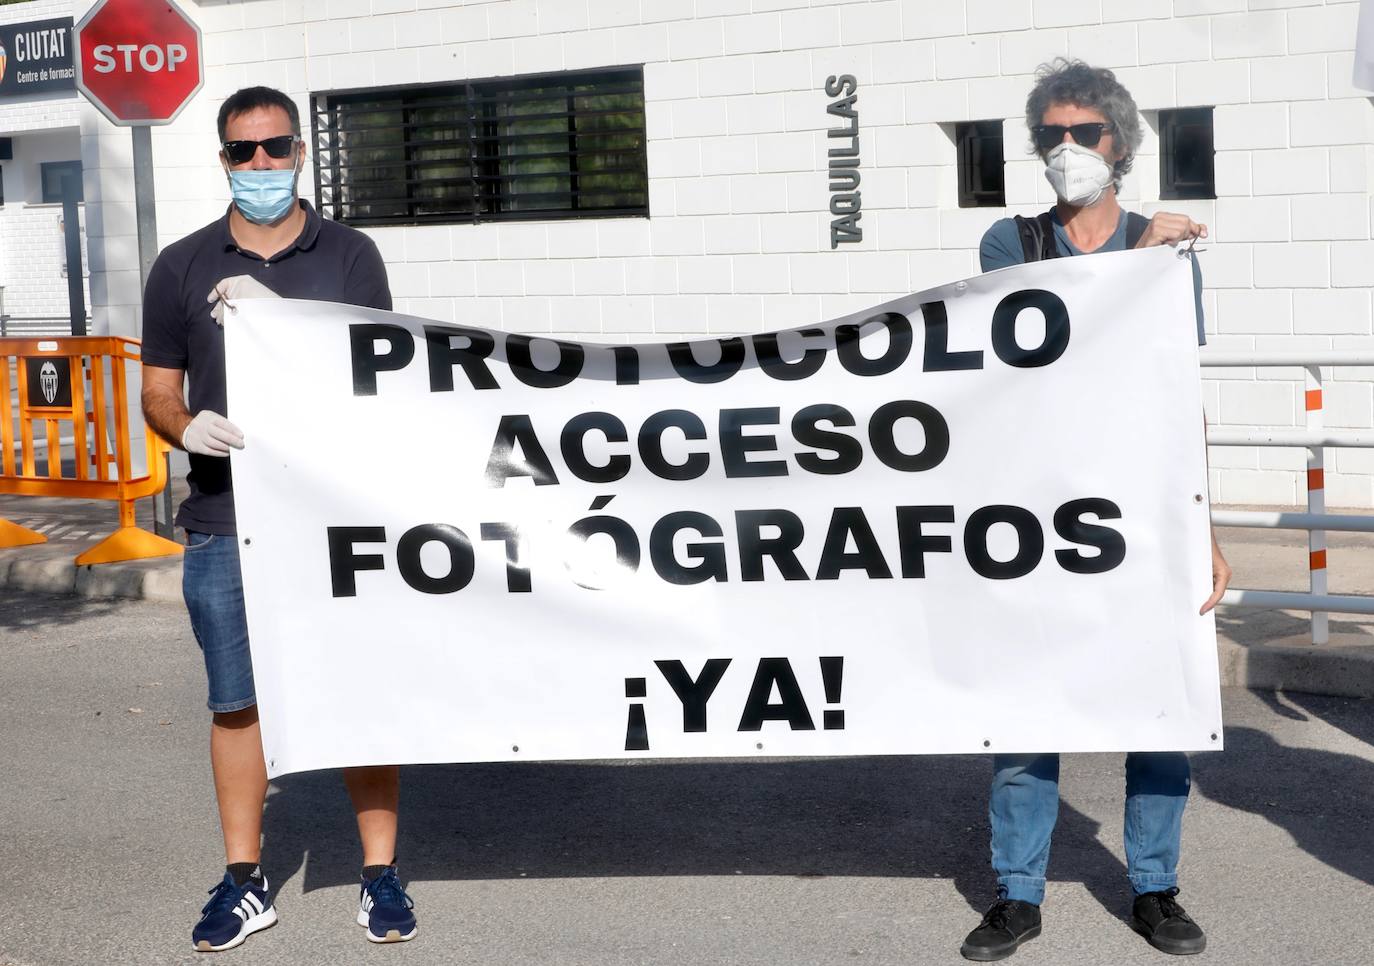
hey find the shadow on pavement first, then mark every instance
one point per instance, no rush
(25, 611)
(905, 817)
(1350, 715)
(1324, 804)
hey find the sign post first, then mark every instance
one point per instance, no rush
(139, 62)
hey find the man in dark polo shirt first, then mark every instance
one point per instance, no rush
(269, 238)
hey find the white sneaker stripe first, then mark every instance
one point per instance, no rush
(256, 903)
(241, 912)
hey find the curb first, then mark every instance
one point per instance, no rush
(1339, 670)
(136, 580)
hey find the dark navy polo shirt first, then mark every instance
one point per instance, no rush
(329, 262)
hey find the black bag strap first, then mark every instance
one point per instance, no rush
(1037, 237)
(1135, 228)
(1037, 234)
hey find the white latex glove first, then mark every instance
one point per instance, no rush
(210, 434)
(228, 290)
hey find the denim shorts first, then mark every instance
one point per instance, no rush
(213, 588)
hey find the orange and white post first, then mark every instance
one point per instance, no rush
(1316, 501)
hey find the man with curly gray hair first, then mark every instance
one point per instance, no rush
(1086, 129)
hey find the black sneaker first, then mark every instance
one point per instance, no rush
(1005, 926)
(1164, 924)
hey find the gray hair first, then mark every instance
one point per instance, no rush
(1064, 81)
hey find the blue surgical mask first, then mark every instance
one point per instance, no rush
(263, 196)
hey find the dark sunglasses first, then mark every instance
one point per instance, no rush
(1088, 134)
(241, 152)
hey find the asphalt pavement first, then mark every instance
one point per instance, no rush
(108, 836)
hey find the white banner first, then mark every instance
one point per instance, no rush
(973, 519)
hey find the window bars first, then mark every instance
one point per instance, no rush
(562, 145)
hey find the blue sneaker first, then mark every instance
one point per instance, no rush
(232, 915)
(385, 909)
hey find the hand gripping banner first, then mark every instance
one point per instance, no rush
(973, 519)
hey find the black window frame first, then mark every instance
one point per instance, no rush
(55, 169)
(477, 126)
(982, 163)
(1187, 154)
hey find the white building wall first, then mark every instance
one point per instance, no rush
(42, 127)
(33, 249)
(738, 239)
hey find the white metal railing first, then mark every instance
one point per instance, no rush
(1315, 438)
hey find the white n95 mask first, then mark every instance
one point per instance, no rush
(1078, 175)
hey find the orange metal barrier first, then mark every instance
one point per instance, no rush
(63, 381)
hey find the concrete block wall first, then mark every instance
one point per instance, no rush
(738, 238)
(33, 261)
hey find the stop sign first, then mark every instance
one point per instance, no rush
(138, 60)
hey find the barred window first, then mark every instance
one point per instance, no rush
(1187, 159)
(53, 175)
(978, 149)
(563, 145)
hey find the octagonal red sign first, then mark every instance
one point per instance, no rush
(138, 61)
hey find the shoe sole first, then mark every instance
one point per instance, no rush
(392, 935)
(263, 920)
(1184, 948)
(992, 955)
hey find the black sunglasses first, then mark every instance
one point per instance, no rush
(1087, 134)
(241, 152)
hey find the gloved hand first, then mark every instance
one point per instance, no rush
(210, 434)
(236, 287)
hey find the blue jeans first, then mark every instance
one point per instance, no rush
(213, 588)
(1024, 805)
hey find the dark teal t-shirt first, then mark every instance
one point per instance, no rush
(1001, 247)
